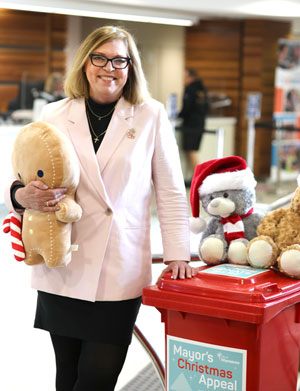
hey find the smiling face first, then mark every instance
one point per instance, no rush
(106, 83)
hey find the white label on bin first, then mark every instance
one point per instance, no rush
(197, 366)
(240, 271)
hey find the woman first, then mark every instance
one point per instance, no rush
(193, 113)
(124, 142)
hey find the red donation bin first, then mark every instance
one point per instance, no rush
(230, 328)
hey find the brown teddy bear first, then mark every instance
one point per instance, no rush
(279, 239)
(42, 152)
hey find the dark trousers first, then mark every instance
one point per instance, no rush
(83, 365)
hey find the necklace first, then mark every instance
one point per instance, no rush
(100, 116)
(96, 138)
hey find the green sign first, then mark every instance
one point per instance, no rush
(240, 271)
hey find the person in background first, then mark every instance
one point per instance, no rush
(54, 86)
(124, 143)
(292, 100)
(53, 89)
(286, 56)
(193, 113)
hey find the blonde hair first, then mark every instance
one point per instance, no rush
(135, 90)
(54, 82)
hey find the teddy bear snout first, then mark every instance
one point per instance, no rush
(215, 202)
(221, 207)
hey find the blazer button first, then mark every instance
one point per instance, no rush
(108, 212)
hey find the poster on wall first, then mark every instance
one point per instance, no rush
(197, 366)
(287, 106)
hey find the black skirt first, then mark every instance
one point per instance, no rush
(102, 321)
(191, 138)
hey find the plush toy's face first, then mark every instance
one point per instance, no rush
(42, 153)
(225, 203)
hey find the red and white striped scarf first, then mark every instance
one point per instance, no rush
(13, 224)
(233, 226)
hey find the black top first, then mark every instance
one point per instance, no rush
(98, 126)
(13, 190)
(195, 105)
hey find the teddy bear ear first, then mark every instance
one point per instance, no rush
(197, 224)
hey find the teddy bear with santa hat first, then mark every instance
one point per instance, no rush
(226, 189)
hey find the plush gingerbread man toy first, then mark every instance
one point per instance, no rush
(42, 152)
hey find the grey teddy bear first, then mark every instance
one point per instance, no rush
(226, 189)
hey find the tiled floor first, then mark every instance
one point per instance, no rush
(29, 359)
(145, 380)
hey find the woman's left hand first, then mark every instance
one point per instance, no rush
(179, 269)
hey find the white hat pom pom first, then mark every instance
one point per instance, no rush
(197, 224)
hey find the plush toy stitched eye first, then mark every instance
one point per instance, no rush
(19, 175)
(40, 173)
(225, 195)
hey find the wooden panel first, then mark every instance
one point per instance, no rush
(253, 51)
(58, 61)
(212, 48)
(7, 93)
(259, 62)
(214, 73)
(221, 43)
(238, 57)
(251, 83)
(15, 64)
(214, 64)
(21, 28)
(252, 66)
(33, 45)
(59, 22)
(221, 26)
(58, 39)
(212, 55)
(228, 83)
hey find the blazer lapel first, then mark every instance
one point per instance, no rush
(79, 133)
(118, 128)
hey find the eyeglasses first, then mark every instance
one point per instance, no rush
(98, 60)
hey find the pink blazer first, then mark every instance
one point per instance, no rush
(113, 261)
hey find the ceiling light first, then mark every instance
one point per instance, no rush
(147, 16)
(278, 8)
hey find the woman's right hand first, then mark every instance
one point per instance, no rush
(36, 195)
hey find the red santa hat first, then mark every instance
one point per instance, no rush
(229, 173)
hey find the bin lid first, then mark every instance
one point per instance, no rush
(235, 283)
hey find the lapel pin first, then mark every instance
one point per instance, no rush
(131, 133)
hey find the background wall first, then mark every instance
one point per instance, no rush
(31, 46)
(232, 56)
(296, 30)
(237, 57)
